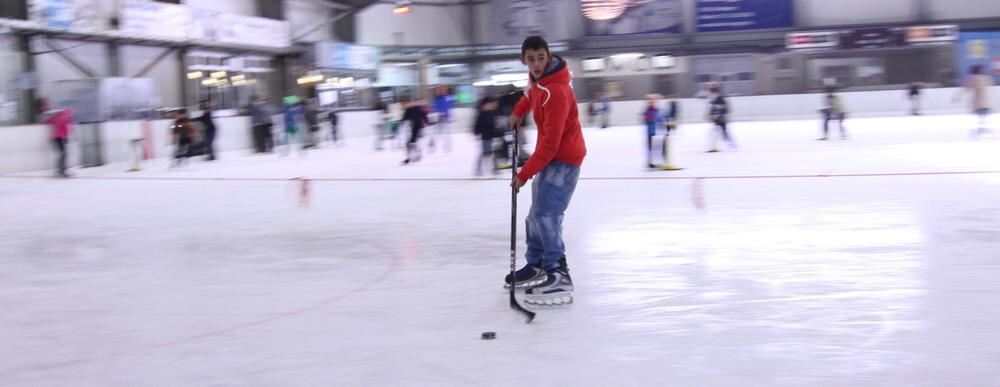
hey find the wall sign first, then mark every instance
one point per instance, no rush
(346, 56)
(735, 15)
(631, 17)
(514, 20)
(978, 48)
(872, 37)
(155, 19)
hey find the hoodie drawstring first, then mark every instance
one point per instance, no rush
(548, 94)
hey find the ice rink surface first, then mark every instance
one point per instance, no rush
(782, 273)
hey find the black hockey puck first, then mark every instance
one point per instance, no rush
(489, 335)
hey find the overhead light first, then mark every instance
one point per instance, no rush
(607, 9)
(629, 55)
(195, 75)
(509, 77)
(522, 83)
(402, 7)
(240, 77)
(310, 79)
(219, 74)
(483, 83)
(596, 64)
(663, 61)
(209, 82)
(333, 80)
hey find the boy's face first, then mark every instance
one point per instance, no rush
(537, 61)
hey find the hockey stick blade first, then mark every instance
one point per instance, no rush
(529, 315)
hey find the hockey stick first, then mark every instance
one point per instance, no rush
(513, 237)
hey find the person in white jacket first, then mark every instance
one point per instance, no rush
(979, 85)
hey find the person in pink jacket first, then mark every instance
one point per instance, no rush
(59, 121)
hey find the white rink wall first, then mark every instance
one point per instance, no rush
(27, 147)
(804, 106)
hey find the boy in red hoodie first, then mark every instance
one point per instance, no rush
(59, 120)
(555, 165)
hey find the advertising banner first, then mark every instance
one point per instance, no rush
(266, 32)
(513, 20)
(736, 15)
(631, 17)
(66, 15)
(978, 48)
(346, 56)
(155, 19)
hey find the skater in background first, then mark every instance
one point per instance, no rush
(182, 135)
(605, 112)
(486, 129)
(312, 121)
(208, 126)
(652, 118)
(672, 117)
(559, 152)
(914, 96)
(507, 102)
(382, 127)
(416, 116)
(718, 115)
(260, 118)
(396, 118)
(443, 103)
(978, 85)
(833, 110)
(294, 125)
(593, 110)
(59, 121)
(334, 130)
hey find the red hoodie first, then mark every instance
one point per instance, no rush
(60, 121)
(560, 138)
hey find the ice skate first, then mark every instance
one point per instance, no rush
(556, 290)
(529, 275)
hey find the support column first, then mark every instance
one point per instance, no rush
(28, 110)
(114, 60)
(922, 9)
(422, 65)
(182, 68)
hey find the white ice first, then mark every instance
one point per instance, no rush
(126, 279)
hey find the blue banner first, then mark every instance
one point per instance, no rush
(632, 18)
(978, 48)
(736, 15)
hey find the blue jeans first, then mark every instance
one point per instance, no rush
(551, 192)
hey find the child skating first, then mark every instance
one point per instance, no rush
(833, 110)
(559, 152)
(978, 85)
(652, 118)
(718, 114)
(486, 129)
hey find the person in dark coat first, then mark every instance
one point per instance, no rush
(486, 129)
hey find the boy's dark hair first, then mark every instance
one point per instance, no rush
(534, 43)
(976, 69)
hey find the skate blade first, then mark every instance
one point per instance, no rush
(550, 300)
(525, 285)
